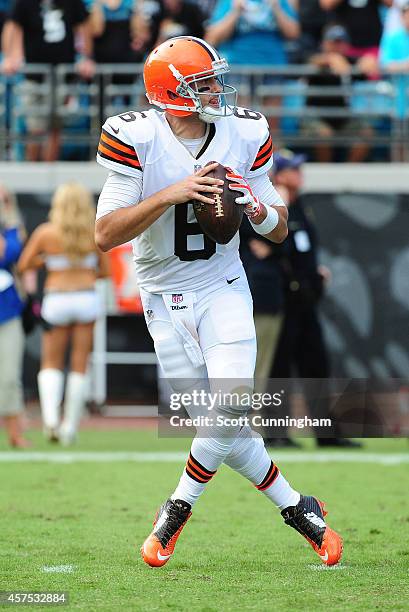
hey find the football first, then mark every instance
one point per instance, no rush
(221, 220)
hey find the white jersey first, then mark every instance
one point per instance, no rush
(173, 254)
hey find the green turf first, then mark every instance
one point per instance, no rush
(147, 440)
(235, 553)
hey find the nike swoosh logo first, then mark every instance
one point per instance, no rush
(164, 557)
(324, 557)
(114, 130)
(229, 282)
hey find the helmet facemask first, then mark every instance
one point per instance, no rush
(223, 102)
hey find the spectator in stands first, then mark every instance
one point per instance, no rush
(362, 20)
(301, 348)
(112, 24)
(394, 53)
(393, 18)
(394, 59)
(254, 32)
(4, 9)
(335, 65)
(158, 20)
(206, 6)
(11, 330)
(65, 246)
(312, 20)
(44, 32)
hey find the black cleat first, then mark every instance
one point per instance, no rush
(307, 517)
(168, 524)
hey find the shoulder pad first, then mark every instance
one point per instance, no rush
(253, 126)
(123, 142)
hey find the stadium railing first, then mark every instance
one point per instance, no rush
(79, 107)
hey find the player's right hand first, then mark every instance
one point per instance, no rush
(195, 186)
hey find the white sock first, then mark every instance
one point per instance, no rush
(205, 457)
(281, 493)
(75, 396)
(50, 389)
(249, 458)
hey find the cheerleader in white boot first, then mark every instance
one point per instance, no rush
(65, 246)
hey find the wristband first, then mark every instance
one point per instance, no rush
(269, 223)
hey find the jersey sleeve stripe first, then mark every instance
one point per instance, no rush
(264, 154)
(107, 137)
(109, 147)
(262, 161)
(119, 159)
(264, 148)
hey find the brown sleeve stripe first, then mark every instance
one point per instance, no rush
(109, 147)
(264, 148)
(122, 146)
(269, 478)
(119, 158)
(263, 155)
(200, 467)
(261, 162)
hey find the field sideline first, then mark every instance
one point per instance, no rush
(77, 526)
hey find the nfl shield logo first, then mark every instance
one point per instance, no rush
(177, 298)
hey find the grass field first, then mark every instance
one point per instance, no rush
(78, 526)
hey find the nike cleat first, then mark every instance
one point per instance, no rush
(307, 517)
(167, 526)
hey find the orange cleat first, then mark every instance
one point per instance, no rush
(307, 517)
(168, 524)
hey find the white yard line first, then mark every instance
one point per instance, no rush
(58, 569)
(176, 457)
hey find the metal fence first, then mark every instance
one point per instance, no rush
(58, 97)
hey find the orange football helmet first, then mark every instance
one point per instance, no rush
(172, 72)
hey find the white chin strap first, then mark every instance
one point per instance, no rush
(209, 114)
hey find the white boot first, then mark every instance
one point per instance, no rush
(75, 397)
(50, 389)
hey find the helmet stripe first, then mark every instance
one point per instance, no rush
(211, 51)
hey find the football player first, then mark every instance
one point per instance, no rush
(195, 295)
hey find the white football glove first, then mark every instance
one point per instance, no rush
(252, 204)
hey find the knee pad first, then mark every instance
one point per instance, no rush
(235, 360)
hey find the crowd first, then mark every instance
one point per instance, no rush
(346, 42)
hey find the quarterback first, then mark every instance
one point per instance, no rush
(157, 161)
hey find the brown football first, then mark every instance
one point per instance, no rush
(221, 220)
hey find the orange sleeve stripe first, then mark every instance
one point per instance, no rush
(263, 160)
(264, 147)
(117, 141)
(116, 145)
(117, 157)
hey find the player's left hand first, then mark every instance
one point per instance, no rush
(252, 204)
